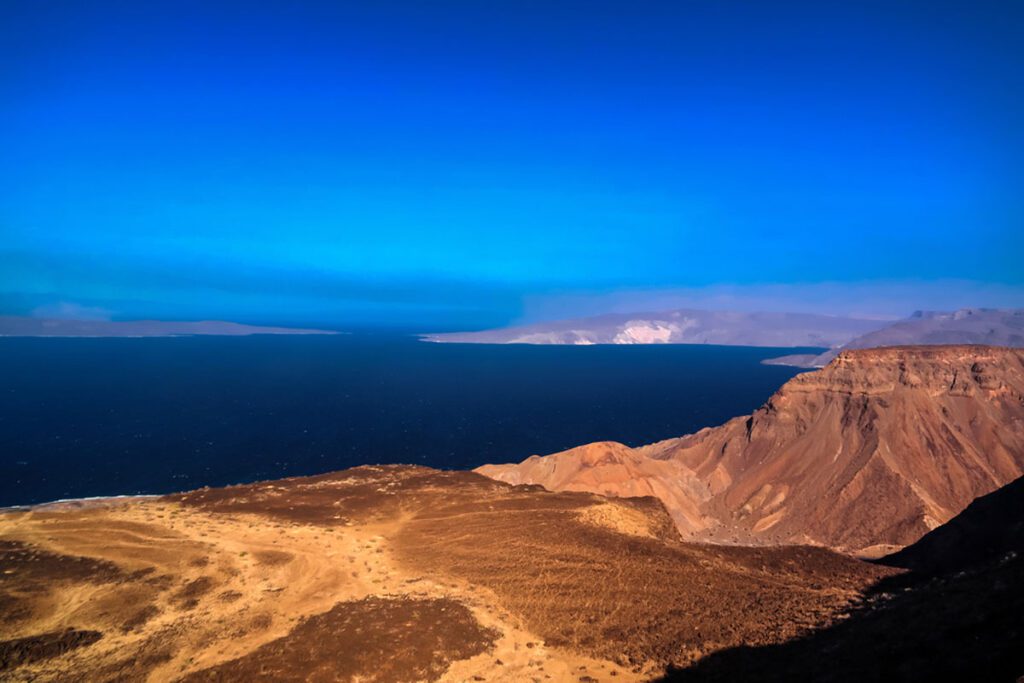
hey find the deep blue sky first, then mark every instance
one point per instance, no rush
(446, 165)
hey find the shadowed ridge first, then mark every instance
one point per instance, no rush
(988, 530)
(955, 617)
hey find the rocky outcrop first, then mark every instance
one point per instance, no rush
(865, 455)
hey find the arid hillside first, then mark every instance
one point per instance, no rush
(955, 617)
(391, 574)
(989, 531)
(866, 455)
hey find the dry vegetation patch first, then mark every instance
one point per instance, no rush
(617, 518)
(375, 639)
(392, 573)
(19, 651)
(627, 597)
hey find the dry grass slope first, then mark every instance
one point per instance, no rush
(393, 573)
(373, 640)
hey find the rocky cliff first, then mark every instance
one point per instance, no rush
(865, 455)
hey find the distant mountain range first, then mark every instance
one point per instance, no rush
(990, 326)
(681, 326)
(18, 326)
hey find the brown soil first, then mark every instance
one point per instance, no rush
(621, 596)
(20, 651)
(30, 575)
(41, 568)
(397, 572)
(188, 596)
(399, 639)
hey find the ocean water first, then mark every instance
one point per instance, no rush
(92, 417)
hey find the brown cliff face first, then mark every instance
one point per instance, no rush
(865, 455)
(613, 469)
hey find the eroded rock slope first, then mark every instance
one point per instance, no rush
(865, 455)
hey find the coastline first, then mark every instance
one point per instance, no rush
(85, 499)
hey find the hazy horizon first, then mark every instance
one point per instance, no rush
(468, 166)
(869, 301)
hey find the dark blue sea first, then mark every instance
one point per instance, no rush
(92, 417)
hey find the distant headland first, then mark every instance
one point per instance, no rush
(23, 326)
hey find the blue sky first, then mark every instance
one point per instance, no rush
(448, 165)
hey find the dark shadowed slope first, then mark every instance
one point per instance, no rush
(990, 529)
(958, 617)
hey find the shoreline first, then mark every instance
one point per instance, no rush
(65, 501)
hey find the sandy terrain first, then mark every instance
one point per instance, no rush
(389, 574)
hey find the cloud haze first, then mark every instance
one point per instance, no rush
(874, 300)
(68, 310)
